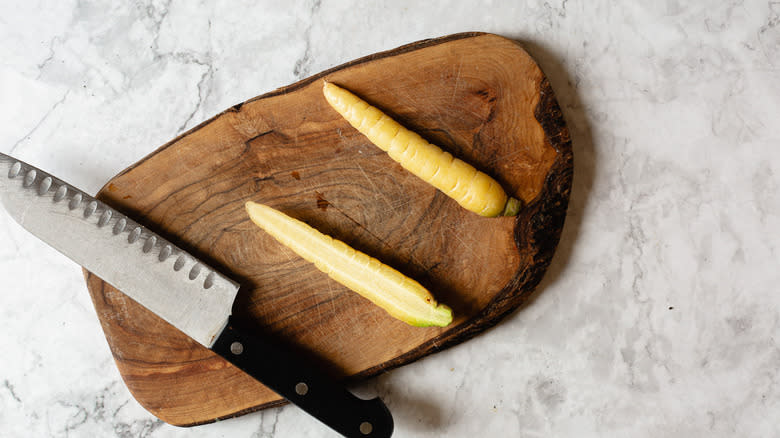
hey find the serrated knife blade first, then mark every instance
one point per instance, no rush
(181, 289)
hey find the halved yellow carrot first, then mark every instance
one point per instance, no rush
(399, 295)
(472, 189)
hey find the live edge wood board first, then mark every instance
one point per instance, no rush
(479, 96)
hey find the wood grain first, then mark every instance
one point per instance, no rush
(479, 96)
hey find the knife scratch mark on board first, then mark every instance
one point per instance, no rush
(374, 316)
(292, 258)
(341, 136)
(504, 157)
(332, 302)
(374, 189)
(318, 309)
(468, 247)
(457, 81)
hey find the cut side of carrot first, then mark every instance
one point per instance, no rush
(472, 189)
(402, 297)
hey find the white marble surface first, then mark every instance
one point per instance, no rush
(660, 314)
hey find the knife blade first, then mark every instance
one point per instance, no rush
(178, 287)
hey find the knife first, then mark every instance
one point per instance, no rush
(176, 286)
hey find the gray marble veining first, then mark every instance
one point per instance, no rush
(660, 315)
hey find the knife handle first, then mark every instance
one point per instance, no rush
(289, 376)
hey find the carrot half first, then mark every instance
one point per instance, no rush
(402, 297)
(472, 189)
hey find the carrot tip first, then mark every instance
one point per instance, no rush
(512, 207)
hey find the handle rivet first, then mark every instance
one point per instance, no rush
(236, 348)
(366, 428)
(301, 388)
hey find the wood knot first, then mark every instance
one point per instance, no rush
(322, 203)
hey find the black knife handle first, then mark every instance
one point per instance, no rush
(299, 382)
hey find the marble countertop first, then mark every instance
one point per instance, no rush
(660, 314)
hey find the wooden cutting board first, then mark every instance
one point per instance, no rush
(479, 96)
